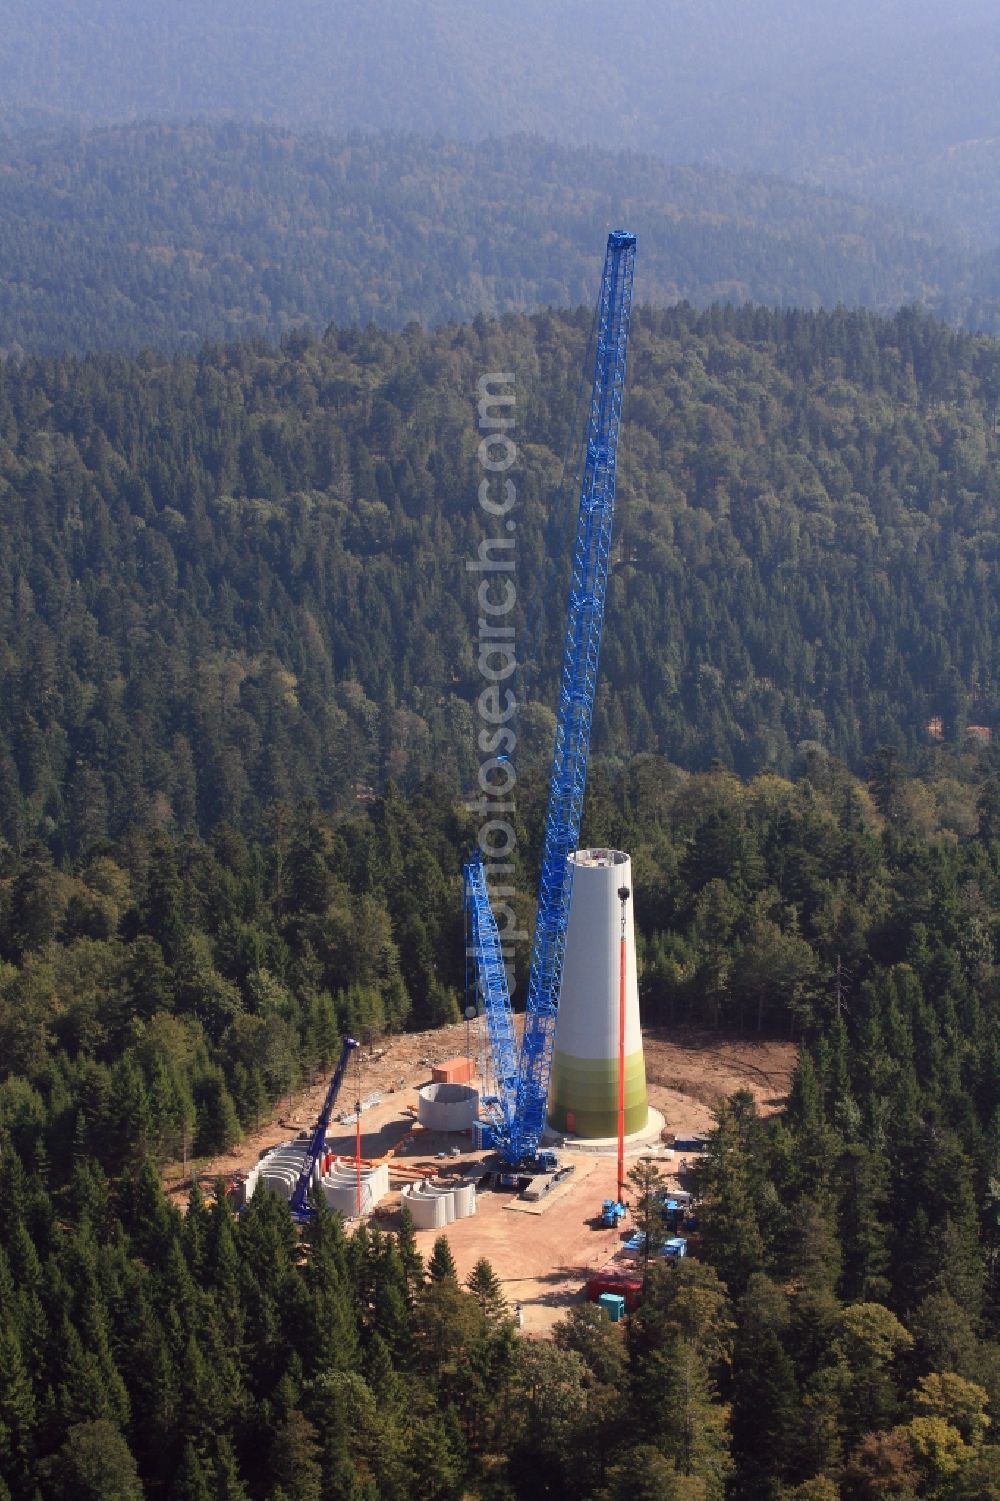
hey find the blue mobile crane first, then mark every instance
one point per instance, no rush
(522, 1075)
(299, 1203)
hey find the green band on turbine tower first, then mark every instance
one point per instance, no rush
(583, 1095)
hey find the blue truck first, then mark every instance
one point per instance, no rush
(673, 1249)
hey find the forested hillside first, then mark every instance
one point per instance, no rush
(164, 236)
(241, 577)
(836, 1335)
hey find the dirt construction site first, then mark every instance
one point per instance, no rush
(541, 1252)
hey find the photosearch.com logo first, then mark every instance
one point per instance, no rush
(497, 597)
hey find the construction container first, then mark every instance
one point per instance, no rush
(454, 1071)
(613, 1305)
(619, 1278)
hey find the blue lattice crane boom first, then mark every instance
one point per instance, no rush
(491, 972)
(522, 1106)
(299, 1202)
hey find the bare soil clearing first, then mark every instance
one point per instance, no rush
(542, 1260)
(690, 1071)
(396, 1066)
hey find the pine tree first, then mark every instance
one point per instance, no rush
(154, 1389)
(331, 1328)
(228, 1484)
(24, 1262)
(764, 1391)
(83, 1396)
(163, 910)
(441, 1266)
(385, 1380)
(222, 1261)
(484, 1284)
(647, 1182)
(17, 1412)
(413, 1262)
(682, 1331)
(193, 1480)
(733, 1189)
(294, 1459)
(392, 1316)
(218, 1125)
(196, 1232)
(8, 1297)
(861, 1182)
(945, 1335)
(644, 1474)
(151, 1220)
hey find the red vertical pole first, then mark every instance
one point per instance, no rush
(621, 1073)
(623, 895)
(358, 1156)
(357, 1138)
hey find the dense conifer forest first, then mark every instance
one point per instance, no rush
(238, 679)
(239, 578)
(837, 1333)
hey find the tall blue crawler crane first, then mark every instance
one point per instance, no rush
(522, 1077)
(299, 1203)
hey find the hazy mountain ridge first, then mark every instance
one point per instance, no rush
(863, 98)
